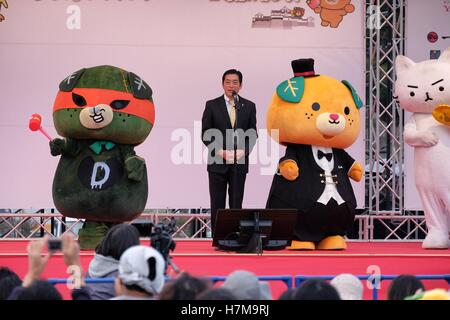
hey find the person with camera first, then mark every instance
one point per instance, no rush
(33, 288)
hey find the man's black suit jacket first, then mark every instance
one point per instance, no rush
(215, 116)
(304, 191)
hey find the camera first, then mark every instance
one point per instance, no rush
(161, 240)
(54, 244)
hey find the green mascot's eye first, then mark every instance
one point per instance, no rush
(78, 100)
(119, 104)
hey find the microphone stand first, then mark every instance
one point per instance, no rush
(235, 145)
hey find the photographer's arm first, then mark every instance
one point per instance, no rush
(71, 254)
(36, 262)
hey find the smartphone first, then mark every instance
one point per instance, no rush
(54, 244)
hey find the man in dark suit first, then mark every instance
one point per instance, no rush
(229, 132)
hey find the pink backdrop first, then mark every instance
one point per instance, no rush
(181, 48)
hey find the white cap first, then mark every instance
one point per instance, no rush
(144, 267)
(348, 286)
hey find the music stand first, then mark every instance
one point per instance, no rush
(254, 230)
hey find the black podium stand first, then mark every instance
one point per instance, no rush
(254, 230)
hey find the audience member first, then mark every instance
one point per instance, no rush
(37, 290)
(348, 286)
(105, 263)
(287, 295)
(8, 281)
(141, 274)
(404, 285)
(184, 287)
(33, 288)
(246, 286)
(316, 289)
(216, 294)
(435, 294)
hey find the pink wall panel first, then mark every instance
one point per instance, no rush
(181, 48)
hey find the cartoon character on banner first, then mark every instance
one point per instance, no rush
(424, 90)
(331, 12)
(316, 117)
(5, 4)
(103, 113)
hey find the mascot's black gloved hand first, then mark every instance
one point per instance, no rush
(57, 146)
(135, 168)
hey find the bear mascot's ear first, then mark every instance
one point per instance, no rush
(140, 89)
(70, 82)
(356, 98)
(292, 90)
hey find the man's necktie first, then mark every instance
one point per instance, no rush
(232, 112)
(321, 154)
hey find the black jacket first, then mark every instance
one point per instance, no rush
(304, 191)
(215, 116)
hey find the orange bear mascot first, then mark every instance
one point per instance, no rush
(316, 117)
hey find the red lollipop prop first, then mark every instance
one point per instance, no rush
(35, 125)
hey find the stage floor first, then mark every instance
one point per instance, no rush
(199, 258)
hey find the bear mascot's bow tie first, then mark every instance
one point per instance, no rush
(321, 154)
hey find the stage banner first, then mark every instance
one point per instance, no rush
(427, 35)
(181, 49)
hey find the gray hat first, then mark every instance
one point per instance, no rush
(144, 267)
(246, 286)
(348, 286)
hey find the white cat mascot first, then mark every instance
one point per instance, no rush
(420, 88)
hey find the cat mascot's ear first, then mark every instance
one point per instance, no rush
(403, 63)
(445, 56)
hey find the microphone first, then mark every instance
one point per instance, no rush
(236, 99)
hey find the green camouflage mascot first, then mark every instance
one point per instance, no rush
(103, 113)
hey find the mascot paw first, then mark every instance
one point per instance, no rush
(349, 8)
(135, 168)
(301, 245)
(356, 172)
(57, 146)
(442, 114)
(332, 243)
(428, 138)
(289, 169)
(436, 240)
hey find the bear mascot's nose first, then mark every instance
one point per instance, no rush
(334, 116)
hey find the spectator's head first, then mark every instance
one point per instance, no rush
(316, 289)
(118, 239)
(141, 272)
(184, 287)
(287, 295)
(403, 286)
(8, 281)
(348, 286)
(39, 290)
(216, 294)
(435, 294)
(246, 286)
